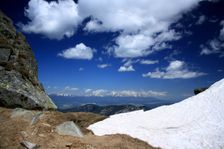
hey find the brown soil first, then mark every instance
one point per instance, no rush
(43, 134)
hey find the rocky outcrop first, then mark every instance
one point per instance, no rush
(19, 85)
(199, 90)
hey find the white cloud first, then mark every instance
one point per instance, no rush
(72, 91)
(54, 19)
(201, 20)
(176, 69)
(94, 25)
(68, 88)
(81, 69)
(88, 90)
(143, 24)
(221, 35)
(80, 51)
(126, 68)
(99, 93)
(130, 46)
(102, 66)
(125, 93)
(141, 44)
(216, 45)
(148, 62)
(130, 93)
(131, 15)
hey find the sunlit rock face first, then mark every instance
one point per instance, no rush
(19, 85)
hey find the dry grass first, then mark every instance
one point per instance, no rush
(43, 134)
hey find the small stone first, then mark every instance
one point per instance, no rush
(36, 117)
(41, 135)
(29, 145)
(22, 113)
(68, 145)
(35, 131)
(46, 124)
(69, 128)
(24, 134)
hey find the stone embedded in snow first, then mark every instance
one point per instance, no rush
(196, 122)
(69, 128)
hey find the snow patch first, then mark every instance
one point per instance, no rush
(196, 122)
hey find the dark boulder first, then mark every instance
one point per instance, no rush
(199, 90)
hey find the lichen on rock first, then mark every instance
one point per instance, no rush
(19, 85)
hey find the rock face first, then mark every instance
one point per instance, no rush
(19, 85)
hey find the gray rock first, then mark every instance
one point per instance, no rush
(1, 68)
(23, 114)
(26, 115)
(36, 117)
(19, 85)
(69, 128)
(4, 55)
(24, 134)
(29, 145)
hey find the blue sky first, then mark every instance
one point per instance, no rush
(123, 47)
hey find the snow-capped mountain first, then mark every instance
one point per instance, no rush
(195, 123)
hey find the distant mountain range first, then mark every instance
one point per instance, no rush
(104, 110)
(106, 105)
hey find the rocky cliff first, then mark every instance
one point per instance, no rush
(19, 85)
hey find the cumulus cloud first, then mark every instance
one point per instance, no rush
(102, 66)
(201, 20)
(128, 65)
(125, 93)
(216, 45)
(68, 88)
(130, 46)
(80, 51)
(148, 62)
(141, 44)
(126, 68)
(88, 90)
(143, 24)
(132, 15)
(94, 25)
(54, 19)
(81, 69)
(176, 69)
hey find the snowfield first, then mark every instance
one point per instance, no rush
(195, 123)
